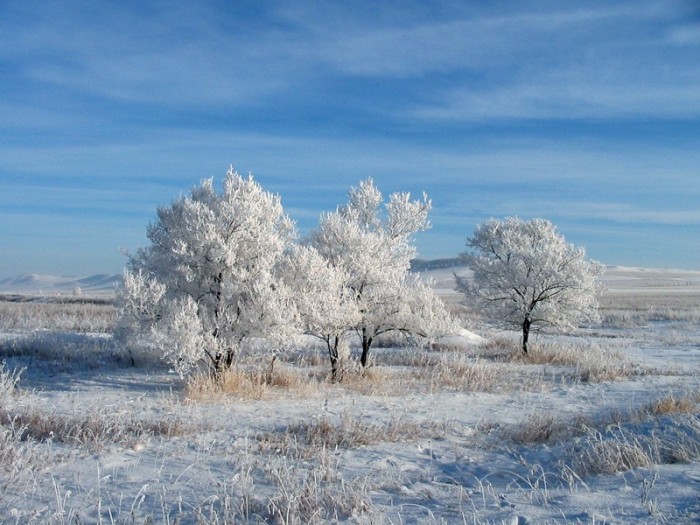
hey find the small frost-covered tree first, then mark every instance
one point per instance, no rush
(526, 276)
(323, 300)
(372, 244)
(209, 282)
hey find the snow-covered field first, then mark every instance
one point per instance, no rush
(602, 426)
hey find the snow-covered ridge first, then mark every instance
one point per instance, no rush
(440, 272)
(33, 283)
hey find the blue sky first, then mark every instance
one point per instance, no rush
(587, 114)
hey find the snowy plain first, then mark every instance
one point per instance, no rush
(604, 428)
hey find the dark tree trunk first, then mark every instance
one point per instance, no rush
(221, 363)
(366, 344)
(333, 354)
(526, 332)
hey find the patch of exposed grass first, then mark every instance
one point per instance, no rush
(315, 496)
(308, 438)
(19, 458)
(674, 404)
(92, 430)
(8, 381)
(622, 311)
(461, 373)
(68, 316)
(590, 361)
(252, 383)
(609, 452)
(64, 349)
(541, 427)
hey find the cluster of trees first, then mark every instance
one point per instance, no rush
(226, 270)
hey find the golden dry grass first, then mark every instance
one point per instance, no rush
(253, 383)
(675, 404)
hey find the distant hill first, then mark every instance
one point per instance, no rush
(33, 283)
(439, 272)
(426, 265)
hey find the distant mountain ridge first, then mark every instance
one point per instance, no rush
(439, 271)
(34, 283)
(424, 265)
(102, 283)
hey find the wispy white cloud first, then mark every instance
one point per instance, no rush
(179, 55)
(543, 99)
(462, 39)
(132, 105)
(611, 212)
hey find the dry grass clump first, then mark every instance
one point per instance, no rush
(8, 381)
(459, 372)
(440, 371)
(252, 383)
(499, 348)
(591, 362)
(92, 430)
(315, 496)
(618, 448)
(674, 404)
(609, 452)
(293, 493)
(542, 427)
(664, 431)
(592, 446)
(538, 428)
(376, 380)
(307, 439)
(19, 458)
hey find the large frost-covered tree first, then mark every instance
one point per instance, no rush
(323, 299)
(526, 276)
(209, 281)
(372, 244)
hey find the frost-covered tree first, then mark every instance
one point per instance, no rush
(209, 282)
(527, 277)
(323, 300)
(371, 242)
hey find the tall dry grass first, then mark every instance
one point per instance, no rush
(82, 317)
(273, 381)
(625, 311)
(589, 361)
(92, 429)
(310, 438)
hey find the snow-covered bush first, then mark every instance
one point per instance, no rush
(372, 249)
(526, 276)
(208, 285)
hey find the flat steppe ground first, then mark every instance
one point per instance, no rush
(598, 426)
